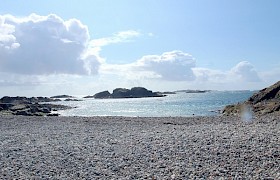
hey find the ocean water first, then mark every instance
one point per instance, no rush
(180, 104)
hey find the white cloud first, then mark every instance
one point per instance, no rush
(123, 36)
(242, 72)
(42, 45)
(170, 66)
(209, 75)
(245, 71)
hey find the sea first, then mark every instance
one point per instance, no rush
(173, 105)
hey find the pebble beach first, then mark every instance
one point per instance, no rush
(219, 147)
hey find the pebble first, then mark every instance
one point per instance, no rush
(139, 148)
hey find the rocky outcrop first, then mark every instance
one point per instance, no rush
(121, 93)
(33, 106)
(266, 94)
(102, 95)
(265, 101)
(136, 92)
(25, 100)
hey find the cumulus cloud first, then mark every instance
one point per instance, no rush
(174, 65)
(245, 71)
(171, 66)
(42, 45)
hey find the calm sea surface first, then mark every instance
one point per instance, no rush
(180, 104)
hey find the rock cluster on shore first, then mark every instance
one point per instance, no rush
(136, 92)
(34, 106)
(265, 101)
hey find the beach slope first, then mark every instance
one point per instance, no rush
(135, 148)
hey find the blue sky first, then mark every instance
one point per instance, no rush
(159, 44)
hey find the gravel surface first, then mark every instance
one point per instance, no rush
(139, 148)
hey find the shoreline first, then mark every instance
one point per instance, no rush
(108, 147)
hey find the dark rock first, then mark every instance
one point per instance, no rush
(25, 100)
(69, 99)
(15, 100)
(272, 92)
(61, 96)
(141, 92)
(34, 109)
(121, 93)
(136, 92)
(6, 106)
(53, 114)
(23, 113)
(265, 101)
(28, 106)
(88, 97)
(46, 99)
(45, 110)
(102, 95)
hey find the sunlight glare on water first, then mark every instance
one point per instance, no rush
(180, 104)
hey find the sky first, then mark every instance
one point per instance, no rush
(83, 47)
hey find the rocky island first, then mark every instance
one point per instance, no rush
(192, 91)
(62, 97)
(135, 92)
(263, 102)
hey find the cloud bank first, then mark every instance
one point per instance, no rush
(169, 66)
(43, 45)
